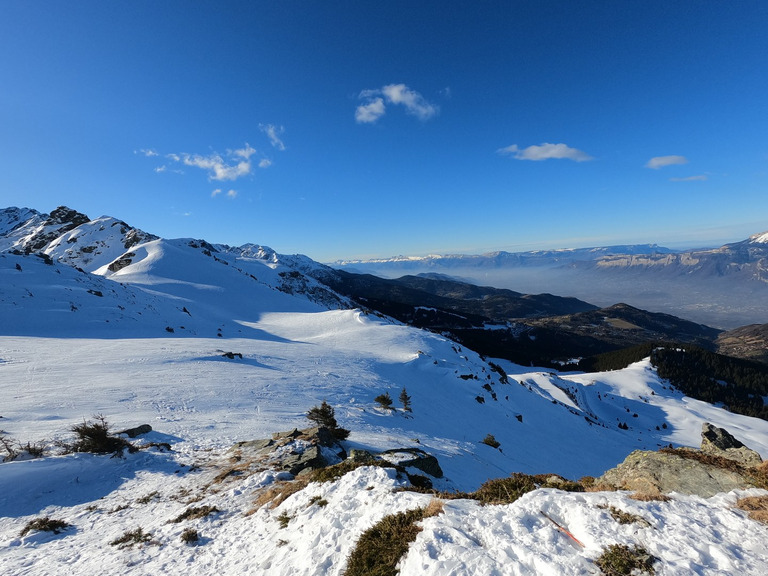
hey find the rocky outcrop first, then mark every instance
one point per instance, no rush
(665, 472)
(719, 442)
(414, 458)
(722, 464)
(296, 451)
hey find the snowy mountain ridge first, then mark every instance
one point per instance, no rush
(143, 337)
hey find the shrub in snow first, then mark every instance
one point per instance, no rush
(190, 536)
(381, 547)
(384, 400)
(45, 524)
(620, 560)
(96, 437)
(131, 537)
(491, 441)
(194, 513)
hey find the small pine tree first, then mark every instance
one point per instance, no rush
(405, 400)
(325, 416)
(384, 400)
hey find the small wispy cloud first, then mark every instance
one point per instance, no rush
(698, 178)
(660, 161)
(220, 167)
(232, 194)
(397, 95)
(273, 133)
(148, 152)
(369, 113)
(545, 151)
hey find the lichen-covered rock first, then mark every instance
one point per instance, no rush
(664, 472)
(719, 442)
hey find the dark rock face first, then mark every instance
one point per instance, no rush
(718, 438)
(414, 458)
(138, 431)
(64, 219)
(720, 442)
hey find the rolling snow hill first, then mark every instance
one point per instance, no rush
(99, 318)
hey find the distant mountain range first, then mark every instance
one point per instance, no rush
(498, 322)
(725, 287)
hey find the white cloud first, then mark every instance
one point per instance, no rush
(699, 178)
(215, 192)
(273, 133)
(660, 161)
(232, 194)
(148, 152)
(369, 113)
(545, 151)
(230, 166)
(395, 94)
(217, 167)
(414, 102)
(246, 152)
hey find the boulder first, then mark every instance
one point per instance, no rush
(357, 455)
(414, 458)
(664, 472)
(720, 442)
(308, 459)
(138, 431)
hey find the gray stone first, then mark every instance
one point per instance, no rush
(360, 455)
(138, 431)
(311, 458)
(719, 442)
(646, 471)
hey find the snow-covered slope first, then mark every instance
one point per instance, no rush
(141, 340)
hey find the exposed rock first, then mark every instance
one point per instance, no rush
(719, 442)
(360, 456)
(414, 458)
(665, 472)
(122, 262)
(137, 431)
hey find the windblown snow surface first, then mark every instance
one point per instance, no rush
(144, 344)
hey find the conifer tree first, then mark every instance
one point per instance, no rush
(405, 400)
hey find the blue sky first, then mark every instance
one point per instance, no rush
(357, 129)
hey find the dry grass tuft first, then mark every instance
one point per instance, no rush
(45, 524)
(278, 493)
(194, 513)
(381, 547)
(623, 517)
(755, 506)
(621, 560)
(648, 496)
